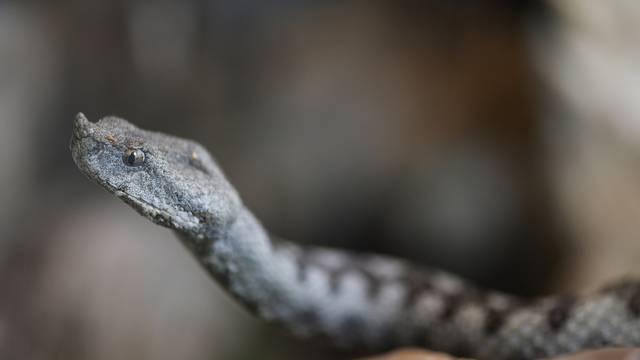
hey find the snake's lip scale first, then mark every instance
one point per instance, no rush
(152, 212)
(144, 207)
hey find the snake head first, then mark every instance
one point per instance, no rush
(172, 181)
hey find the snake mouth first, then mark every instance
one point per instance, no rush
(176, 220)
(154, 214)
(145, 208)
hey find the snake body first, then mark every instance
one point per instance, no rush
(356, 301)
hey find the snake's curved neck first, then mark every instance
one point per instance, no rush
(373, 302)
(356, 300)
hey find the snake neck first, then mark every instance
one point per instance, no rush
(357, 301)
(367, 302)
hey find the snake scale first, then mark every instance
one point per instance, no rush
(356, 301)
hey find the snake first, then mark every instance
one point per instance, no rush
(351, 300)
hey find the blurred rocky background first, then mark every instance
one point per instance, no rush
(496, 139)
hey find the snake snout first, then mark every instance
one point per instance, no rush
(82, 127)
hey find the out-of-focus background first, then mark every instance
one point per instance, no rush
(497, 139)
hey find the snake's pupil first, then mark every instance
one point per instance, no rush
(133, 157)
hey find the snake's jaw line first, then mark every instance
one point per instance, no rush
(356, 300)
(179, 221)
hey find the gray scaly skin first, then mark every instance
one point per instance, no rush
(356, 301)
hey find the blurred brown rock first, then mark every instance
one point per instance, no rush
(412, 354)
(603, 354)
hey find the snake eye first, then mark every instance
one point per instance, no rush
(133, 157)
